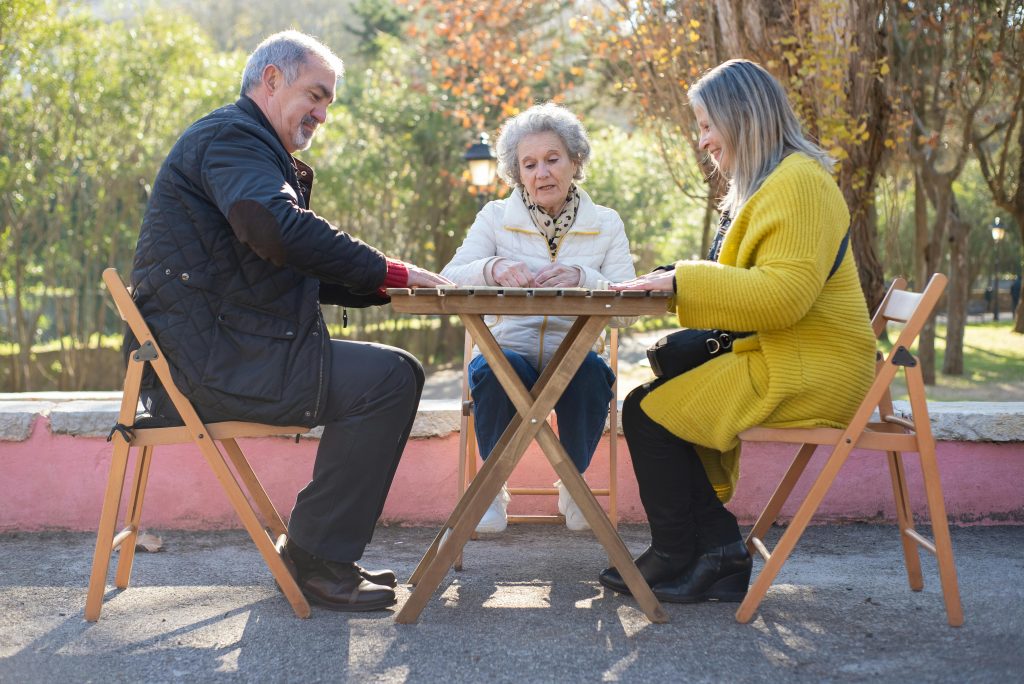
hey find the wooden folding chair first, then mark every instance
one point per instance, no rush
(890, 433)
(127, 435)
(468, 452)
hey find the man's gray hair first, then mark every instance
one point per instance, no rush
(289, 51)
(543, 118)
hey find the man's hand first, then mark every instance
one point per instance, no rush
(510, 273)
(658, 280)
(421, 277)
(557, 275)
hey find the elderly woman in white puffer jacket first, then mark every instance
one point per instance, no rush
(546, 233)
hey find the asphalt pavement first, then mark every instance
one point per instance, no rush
(526, 608)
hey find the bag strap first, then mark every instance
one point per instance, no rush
(720, 235)
(842, 252)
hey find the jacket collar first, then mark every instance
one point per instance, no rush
(249, 106)
(303, 172)
(517, 216)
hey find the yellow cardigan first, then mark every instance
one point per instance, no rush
(811, 359)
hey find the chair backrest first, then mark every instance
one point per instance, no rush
(126, 308)
(148, 351)
(912, 310)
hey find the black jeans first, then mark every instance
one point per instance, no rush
(685, 515)
(371, 404)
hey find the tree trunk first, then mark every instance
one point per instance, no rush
(859, 173)
(1018, 317)
(923, 266)
(957, 293)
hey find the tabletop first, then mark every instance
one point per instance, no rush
(529, 301)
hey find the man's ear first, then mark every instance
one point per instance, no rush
(272, 78)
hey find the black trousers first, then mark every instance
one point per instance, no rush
(685, 515)
(371, 404)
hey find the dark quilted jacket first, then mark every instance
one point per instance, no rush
(230, 270)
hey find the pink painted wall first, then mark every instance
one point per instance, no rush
(56, 482)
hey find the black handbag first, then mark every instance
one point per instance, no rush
(684, 350)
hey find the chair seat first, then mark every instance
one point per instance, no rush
(231, 429)
(876, 436)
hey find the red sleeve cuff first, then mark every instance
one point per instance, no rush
(397, 276)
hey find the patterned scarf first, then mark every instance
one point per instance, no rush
(554, 228)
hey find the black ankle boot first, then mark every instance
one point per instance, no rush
(718, 574)
(653, 565)
(303, 559)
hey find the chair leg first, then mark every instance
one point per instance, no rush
(905, 521)
(613, 462)
(792, 534)
(255, 488)
(134, 515)
(467, 440)
(105, 532)
(933, 493)
(940, 532)
(250, 521)
(771, 510)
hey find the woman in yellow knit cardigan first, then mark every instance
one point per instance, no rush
(808, 361)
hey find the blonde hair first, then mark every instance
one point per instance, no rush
(757, 124)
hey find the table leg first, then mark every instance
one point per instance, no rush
(478, 482)
(548, 389)
(533, 407)
(603, 529)
(485, 487)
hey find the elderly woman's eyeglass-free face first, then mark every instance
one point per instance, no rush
(546, 170)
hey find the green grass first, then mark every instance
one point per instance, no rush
(993, 365)
(95, 340)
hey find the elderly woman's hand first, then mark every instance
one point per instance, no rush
(557, 275)
(510, 273)
(657, 280)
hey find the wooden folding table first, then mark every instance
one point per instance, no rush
(593, 309)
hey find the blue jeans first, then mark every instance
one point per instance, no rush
(581, 412)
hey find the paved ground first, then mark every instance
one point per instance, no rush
(527, 608)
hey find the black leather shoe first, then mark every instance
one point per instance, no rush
(339, 586)
(654, 565)
(385, 578)
(300, 557)
(718, 574)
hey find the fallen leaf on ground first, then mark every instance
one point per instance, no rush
(150, 543)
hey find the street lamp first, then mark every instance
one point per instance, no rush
(483, 165)
(998, 233)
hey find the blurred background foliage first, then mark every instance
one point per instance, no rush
(920, 101)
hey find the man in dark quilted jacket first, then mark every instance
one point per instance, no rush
(230, 271)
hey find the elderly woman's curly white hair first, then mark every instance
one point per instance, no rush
(544, 118)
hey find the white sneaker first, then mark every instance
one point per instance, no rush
(495, 519)
(574, 519)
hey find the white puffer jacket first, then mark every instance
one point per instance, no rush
(596, 243)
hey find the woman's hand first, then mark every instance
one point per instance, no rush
(557, 275)
(658, 280)
(508, 273)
